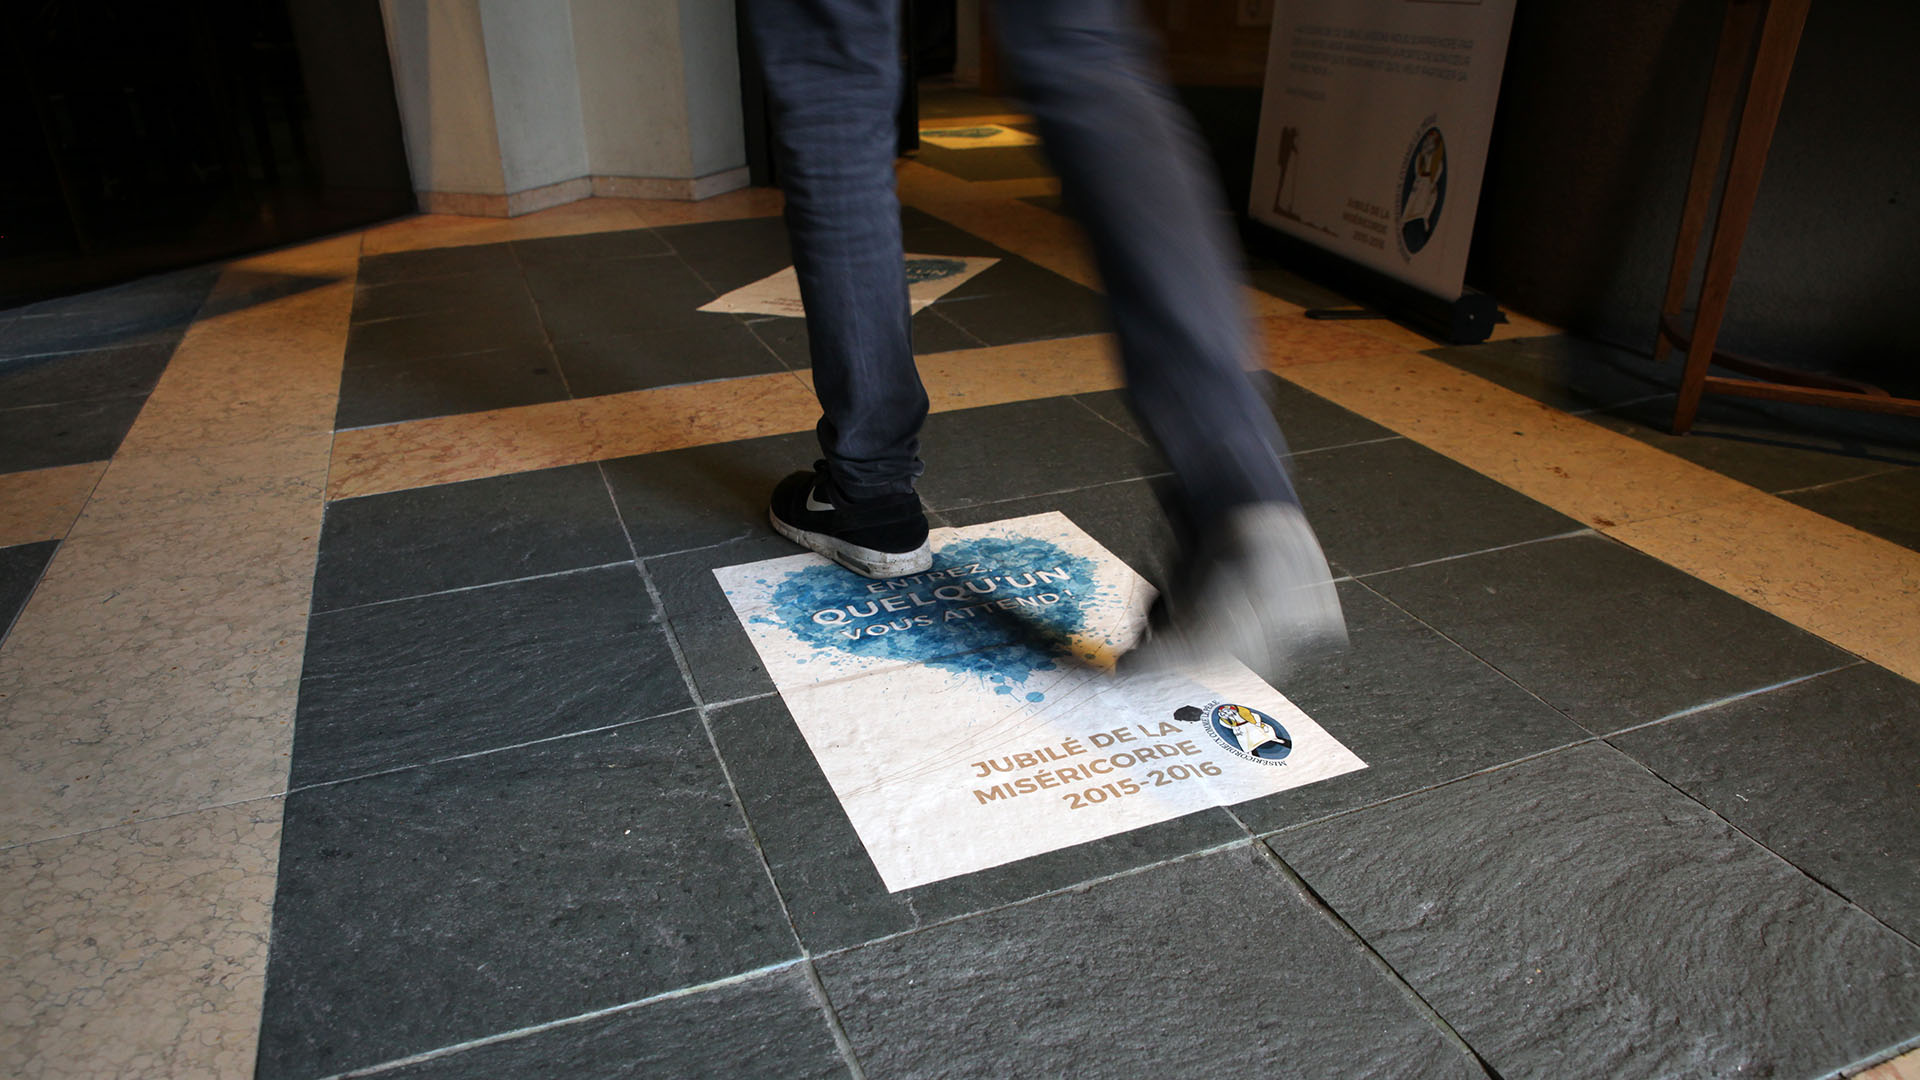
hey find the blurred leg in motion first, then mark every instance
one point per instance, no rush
(1254, 583)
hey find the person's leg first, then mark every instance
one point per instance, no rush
(832, 70)
(1132, 168)
(1255, 584)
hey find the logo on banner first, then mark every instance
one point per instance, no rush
(1423, 188)
(1243, 731)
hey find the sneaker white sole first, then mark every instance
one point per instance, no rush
(864, 561)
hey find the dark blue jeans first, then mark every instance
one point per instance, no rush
(1130, 165)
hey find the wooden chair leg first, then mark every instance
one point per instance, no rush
(1723, 93)
(1766, 88)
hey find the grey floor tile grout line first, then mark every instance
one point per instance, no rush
(834, 1027)
(1490, 665)
(1077, 886)
(73, 401)
(1079, 399)
(1730, 699)
(1380, 963)
(1878, 1057)
(1592, 409)
(1310, 451)
(1817, 880)
(568, 1021)
(1046, 494)
(1568, 535)
(1891, 468)
(134, 823)
(487, 752)
(733, 790)
(467, 588)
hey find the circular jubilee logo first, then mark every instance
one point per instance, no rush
(1423, 189)
(1246, 732)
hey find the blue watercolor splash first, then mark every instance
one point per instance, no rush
(1001, 647)
(933, 269)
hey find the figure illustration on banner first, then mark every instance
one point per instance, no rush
(1285, 188)
(1423, 190)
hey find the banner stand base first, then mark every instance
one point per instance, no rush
(1467, 320)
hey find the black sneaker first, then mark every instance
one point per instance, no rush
(883, 538)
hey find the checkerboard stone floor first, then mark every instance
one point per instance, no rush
(547, 816)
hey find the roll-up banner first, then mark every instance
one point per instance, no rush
(1374, 126)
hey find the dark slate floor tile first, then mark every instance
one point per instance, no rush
(1416, 708)
(417, 680)
(730, 254)
(834, 894)
(987, 162)
(410, 339)
(424, 296)
(1307, 420)
(432, 906)
(938, 102)
(390, 391)
(449, 536)
(1062, 446)
(717, 651)
(1564, 371)
(1382, 505)
(1605, 634)
(20, 568)
(618, 296)
(1887, 505)
(1575, 917)
(1126, 518)
(933, 332)
(1745, 444)
(768, 1027)
(1014, 301)
(44, 436)
(82, 376)
(923, 234)
(1820, 772)
(1210, 967)
(154, 309)
(590, 247)
(704, 495)
(436, 262)
(715, 347)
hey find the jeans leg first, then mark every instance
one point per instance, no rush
(833, 78)
(1131, 165)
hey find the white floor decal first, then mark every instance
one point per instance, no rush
(976, 137)
(929, 277)
(966, 717)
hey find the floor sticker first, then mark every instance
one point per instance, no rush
(929, 277)
(967, 717)
(977, 136)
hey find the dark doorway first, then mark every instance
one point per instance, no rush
(146, 136)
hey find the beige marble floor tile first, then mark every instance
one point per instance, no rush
(1904, 1067)
(1521, 326)
(732, 206)
(154, 672)
(42, 504)
(1291, 339)
(262, 481)
(269, 371)
(1394, 334)
(1856, 590)
(469, 446)
(450, 230)
(1035, 369)
(1038, 235)
(1586, 472)
(138, 951)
